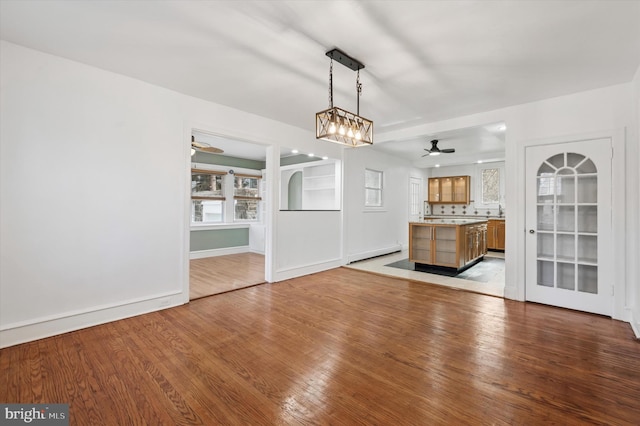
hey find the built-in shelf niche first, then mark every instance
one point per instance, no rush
(311, 186)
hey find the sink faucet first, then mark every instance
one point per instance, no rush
(500, 212)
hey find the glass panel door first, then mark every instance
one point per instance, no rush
(569, 224)
(446, 190)
(434, 190)
(566, 205)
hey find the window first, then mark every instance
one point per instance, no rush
(246, 195)
(372, 188)
(207, 211)
(490, 185)
(207, 196)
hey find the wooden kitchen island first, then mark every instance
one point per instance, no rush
(448, 243)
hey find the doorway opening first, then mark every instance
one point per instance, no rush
(227, 225)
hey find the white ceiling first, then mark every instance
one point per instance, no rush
(424, 60)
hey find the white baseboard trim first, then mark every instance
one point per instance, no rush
(201, 254)
(511, 292)
(39, 328)
(373, 253)
(635, 322)
(299, 271)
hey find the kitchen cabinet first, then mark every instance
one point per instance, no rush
(476, 242)
(449, 190)
(447, 243)
(496, 234)
(434, 245)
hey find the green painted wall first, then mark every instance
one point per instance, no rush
(218, 238)
(223, 160)
(297, 159)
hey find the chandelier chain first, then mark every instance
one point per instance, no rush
(331, 84)
(358, 91)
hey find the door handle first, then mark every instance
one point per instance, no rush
(531, 231)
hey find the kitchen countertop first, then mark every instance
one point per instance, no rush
(451, 221)
(434, 217)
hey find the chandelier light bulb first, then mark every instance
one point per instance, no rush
(350, 132)
(332, 127)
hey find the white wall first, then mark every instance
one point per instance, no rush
(374, 231)
(604, 112)
(634, 206)
(95, 191)
(308, 242)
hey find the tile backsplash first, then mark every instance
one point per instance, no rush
(460, 210)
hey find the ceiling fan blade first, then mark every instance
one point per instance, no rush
(436, 151)
(211, 149)
(205, 147)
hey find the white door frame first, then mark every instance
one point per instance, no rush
(414, 217)
(272, 166)
(618, 214)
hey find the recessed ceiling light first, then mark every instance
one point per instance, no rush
(479, 161)
(294, 151)
(325, 158)
(311, 154)
(437, 165)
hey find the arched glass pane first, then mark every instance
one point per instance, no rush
(557, 161)
(574, 159)
(587, 167)
(566, 171)
(545, 169)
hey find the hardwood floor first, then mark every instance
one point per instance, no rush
(339, 347)
(214, 275)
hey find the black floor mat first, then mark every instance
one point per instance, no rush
(482, 271)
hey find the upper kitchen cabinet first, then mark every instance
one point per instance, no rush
(449, 190)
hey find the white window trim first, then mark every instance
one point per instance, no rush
(381, 189)
(209, 226)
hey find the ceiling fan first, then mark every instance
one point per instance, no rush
(204, 147)
(437, 151)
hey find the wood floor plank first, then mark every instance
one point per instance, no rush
(219, 274)
(338, 347)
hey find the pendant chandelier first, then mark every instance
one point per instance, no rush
(338, 125)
